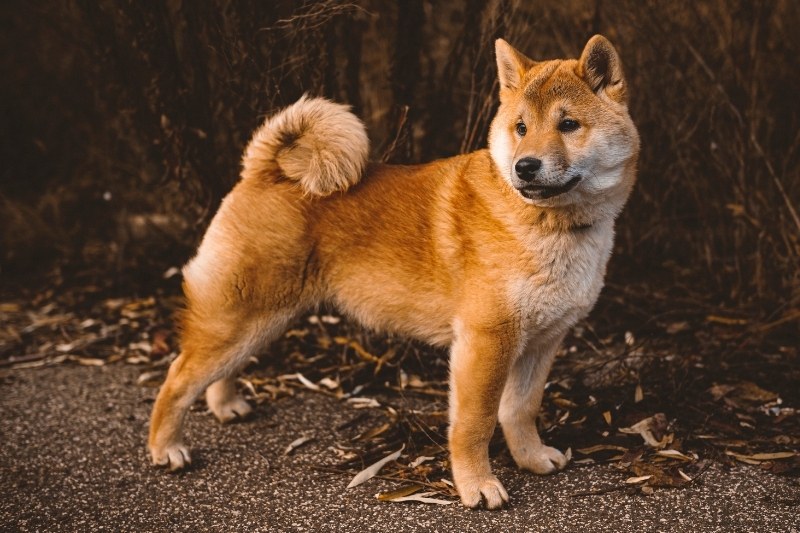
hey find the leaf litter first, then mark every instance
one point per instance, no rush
(372, 470)
(659, 404)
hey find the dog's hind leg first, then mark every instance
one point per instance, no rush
(224, 401)
(210, 355)
(519, 407)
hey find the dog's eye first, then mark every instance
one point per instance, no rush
(567, 125)
(522, 129)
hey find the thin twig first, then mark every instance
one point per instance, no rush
(385, 478)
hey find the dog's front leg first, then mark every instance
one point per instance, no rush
(519, 407)
(479, 363)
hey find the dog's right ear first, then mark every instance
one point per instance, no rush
(601, 67)
(511, 65)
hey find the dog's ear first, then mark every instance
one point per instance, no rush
(601, 67)
(511, 65)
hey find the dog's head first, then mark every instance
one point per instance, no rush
(562, 135)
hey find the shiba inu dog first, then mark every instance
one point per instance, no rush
(496, 253)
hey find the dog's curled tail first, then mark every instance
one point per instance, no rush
(315, 142)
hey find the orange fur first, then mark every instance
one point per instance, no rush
(456, 252)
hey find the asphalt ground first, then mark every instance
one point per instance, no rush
(73, 458)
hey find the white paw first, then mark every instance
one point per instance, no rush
(174, 456)
(474, 489)
(236, 408)
(542, 460)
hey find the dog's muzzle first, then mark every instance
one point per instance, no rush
(543, 192)
(528, 173)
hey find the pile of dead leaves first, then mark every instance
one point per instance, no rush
(79, 329)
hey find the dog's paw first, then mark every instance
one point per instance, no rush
(175, 457)
(489, 489)
(542, 460)
(235, 408)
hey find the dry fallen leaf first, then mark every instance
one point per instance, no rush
(65, 347)
(329, 383)
(363, 403)
(659, 475)
(406, 490)
(423, 498)
(601, 448)
(142, 346)
(773, 456)
(718, 391)
(745, 391)
(373, 469)
(674, 454)
(150, 377)
(41, 362)
(652, 429)
(296, 443)
(302, 379)
(305, 381)
(86, 361)
(757, 458)
(751, 392)
(419, 460)
(631, 456)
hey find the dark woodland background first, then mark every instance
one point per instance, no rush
(123, 123)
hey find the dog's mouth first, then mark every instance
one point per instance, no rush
(542, 192)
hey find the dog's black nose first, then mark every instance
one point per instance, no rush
(527, 167)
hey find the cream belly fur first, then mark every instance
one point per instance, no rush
(495, 254)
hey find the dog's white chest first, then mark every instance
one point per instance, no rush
(566, 281)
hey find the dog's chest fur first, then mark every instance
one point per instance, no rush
(565, 280)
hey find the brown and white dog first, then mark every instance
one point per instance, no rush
(496, 253)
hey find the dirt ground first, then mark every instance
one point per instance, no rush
(73, 459)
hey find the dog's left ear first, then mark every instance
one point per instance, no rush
(601, 67)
